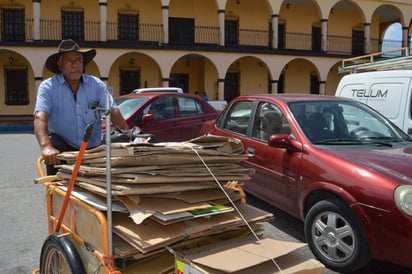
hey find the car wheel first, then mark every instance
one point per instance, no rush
(58, 255)
(335, 236)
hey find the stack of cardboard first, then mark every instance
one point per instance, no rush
(170, 194)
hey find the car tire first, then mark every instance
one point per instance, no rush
(58, 255)
(335, 236)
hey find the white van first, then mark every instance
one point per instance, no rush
(389, 92)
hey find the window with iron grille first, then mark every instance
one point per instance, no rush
(231, 89)
(128, 27)
(181, 31)
(16, 86)
(231, 32)
(129, 80)
(13, 24)
(73, 24)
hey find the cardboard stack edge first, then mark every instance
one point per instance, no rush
(170, 199)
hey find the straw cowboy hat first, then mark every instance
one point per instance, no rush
(68, 46)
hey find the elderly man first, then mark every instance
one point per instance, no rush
(66, 104)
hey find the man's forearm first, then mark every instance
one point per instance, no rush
(41, 130)
(117, 119)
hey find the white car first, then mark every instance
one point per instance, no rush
(158, 89)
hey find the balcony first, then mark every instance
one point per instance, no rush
(203, 37)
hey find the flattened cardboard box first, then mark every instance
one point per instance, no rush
(266, 256)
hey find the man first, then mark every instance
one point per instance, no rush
(66, 103)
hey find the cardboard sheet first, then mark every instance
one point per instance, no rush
(137, 178)
(266, 256)
(145, 189)
(151, 235)
(160, 208)
(163, 206)
(247, 254)
(99, 171)
(194, 196)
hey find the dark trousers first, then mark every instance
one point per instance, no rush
(62, 146)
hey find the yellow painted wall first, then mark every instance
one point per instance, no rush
(300, 18)
(149, 11)
(253, 76)
(351, 19)
(297, 78)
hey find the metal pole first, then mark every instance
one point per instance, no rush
(109, 178)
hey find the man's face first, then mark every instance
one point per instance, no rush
(71, 65)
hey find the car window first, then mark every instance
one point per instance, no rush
(238, 116)
(128, 106)
(189, 106)
(162, 108)
(269, 120)
(343, 121)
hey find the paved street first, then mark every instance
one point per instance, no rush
(22, 206)
(23, 213)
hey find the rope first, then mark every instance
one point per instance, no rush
(233, 204)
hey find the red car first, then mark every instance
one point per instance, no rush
(169, 116)
(334, 163)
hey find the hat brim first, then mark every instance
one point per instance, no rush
(51, 62)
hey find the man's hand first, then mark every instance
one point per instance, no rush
(49, 154)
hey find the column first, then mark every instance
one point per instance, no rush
(404, 36)
(324, 44)
(165, 19)
(103, 20)
(221, 89)
(322, 87)
(165, 82)
(37, 81)
(274, 84)
(275, 31)
(367, 34)
(221, 15)
(36, 20)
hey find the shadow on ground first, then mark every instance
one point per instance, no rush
(294, 228)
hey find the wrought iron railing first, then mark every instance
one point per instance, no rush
(51, 30)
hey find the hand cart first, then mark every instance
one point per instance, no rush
(80, 235)
(66, 251)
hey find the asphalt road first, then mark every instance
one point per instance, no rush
(23, 213)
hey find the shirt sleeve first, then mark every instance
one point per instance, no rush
(43, 99)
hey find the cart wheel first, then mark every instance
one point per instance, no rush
(58, 255)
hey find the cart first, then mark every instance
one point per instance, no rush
(69, 249)
(83, 245)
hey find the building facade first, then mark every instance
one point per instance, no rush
(224, 48)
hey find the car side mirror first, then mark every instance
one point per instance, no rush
(147, 117)
(284, 141)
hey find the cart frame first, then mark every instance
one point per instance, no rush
(102, 253)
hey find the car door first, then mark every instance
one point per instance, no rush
(191, 117)
(275, 168)
(163, 122)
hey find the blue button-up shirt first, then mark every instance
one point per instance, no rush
(68, 116)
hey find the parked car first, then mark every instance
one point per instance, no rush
(336, 164)
(169, 116)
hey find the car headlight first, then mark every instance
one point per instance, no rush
(403, 199)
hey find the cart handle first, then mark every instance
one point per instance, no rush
(40, 166)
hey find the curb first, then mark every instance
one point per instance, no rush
(5, 129)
